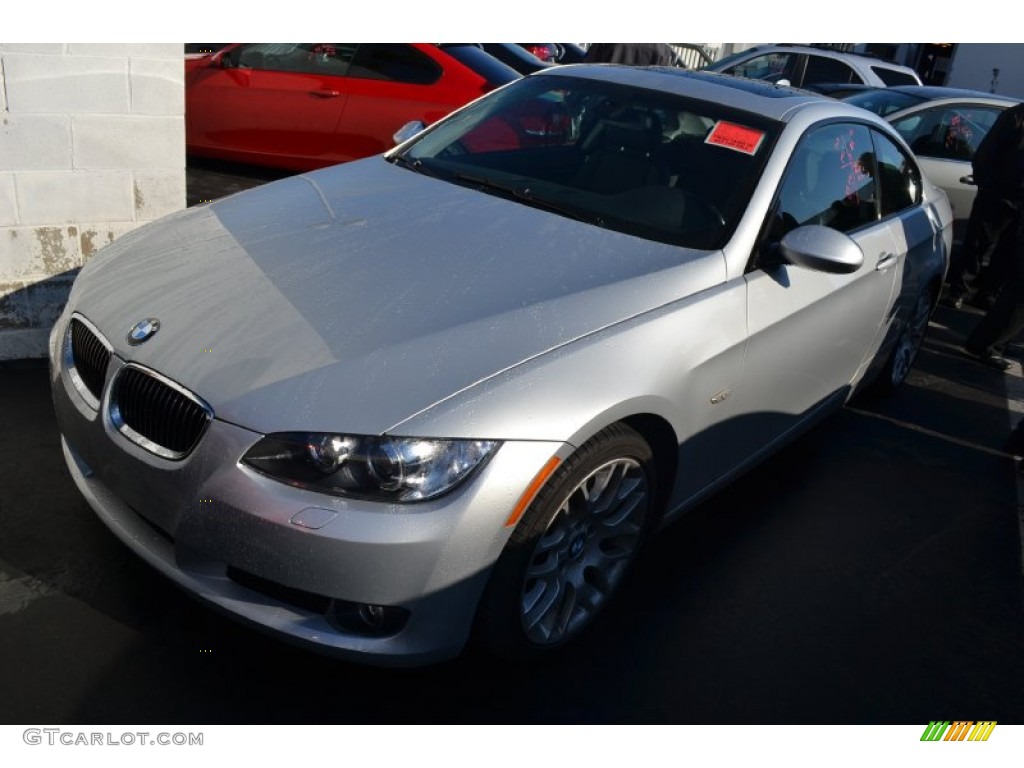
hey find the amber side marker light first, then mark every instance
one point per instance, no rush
(539, 479)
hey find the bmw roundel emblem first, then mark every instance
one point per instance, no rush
(143, 331)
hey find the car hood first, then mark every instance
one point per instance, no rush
(352, 298)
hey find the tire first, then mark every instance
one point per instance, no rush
(572, 548)
(898, 366)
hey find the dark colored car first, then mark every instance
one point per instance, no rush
(549, 52)
(308, 105)
(515, 56)
(841, 90)
(571, 53)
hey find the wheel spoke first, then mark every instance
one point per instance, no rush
(623, 509)
(543, 566)
(538, 603)
(596, 484)
(566, 609)
(613, 548)
(598, 581)
(553, 537)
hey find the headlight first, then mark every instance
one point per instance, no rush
(378, 468)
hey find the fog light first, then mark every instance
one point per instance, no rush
(373, 615)
(367, 618)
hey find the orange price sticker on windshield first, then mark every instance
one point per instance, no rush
(737, 137)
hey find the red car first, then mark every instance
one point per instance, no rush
(307, 105)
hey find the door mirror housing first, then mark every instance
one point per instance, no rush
(822, 249)
(408, 130)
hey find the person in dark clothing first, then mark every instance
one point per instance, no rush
(978, 269)
(1006, 318)
(996, 206)
(999, 168)
(636, 54)
(1015, 443)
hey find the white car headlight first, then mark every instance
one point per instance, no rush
(395, 469)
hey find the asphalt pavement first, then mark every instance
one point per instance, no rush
(869, 573)
(208, 179)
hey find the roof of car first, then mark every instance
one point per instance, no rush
(773, 101)
(868, 68)
(931, 92)
(824, 51)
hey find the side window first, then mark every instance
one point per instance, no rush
(770, 66)
(395, 62)
(821, 69)
(894, 76)
(899, 180)
(947, 133)
(827, 182)
(330, 59)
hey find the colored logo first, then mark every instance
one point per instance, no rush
(960, 730)
(142, 331)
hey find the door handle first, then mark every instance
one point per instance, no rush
(326, 94)
(968, 179)
(885, 261)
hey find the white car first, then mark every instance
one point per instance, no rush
(944, 127)
(802, 66)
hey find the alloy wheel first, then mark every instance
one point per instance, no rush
(583, 554)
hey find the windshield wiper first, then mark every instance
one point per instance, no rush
(524, 195)
(414, 164)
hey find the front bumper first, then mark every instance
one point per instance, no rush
(286, 559)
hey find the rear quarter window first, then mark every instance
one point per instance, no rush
(395, 62)
(489, 68)
(894, 76)
(821, 69)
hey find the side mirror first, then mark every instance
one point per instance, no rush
(821, 249)
(408, 130)
(783, 82)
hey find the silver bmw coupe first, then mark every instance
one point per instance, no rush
(448, 391)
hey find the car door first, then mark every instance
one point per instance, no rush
(811, 331)
(271, 99)
(390, 84)
(944, 139)
(915, 230)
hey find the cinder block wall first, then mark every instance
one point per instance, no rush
(92, 144)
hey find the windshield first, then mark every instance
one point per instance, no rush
(883, 101)
(638, 161)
